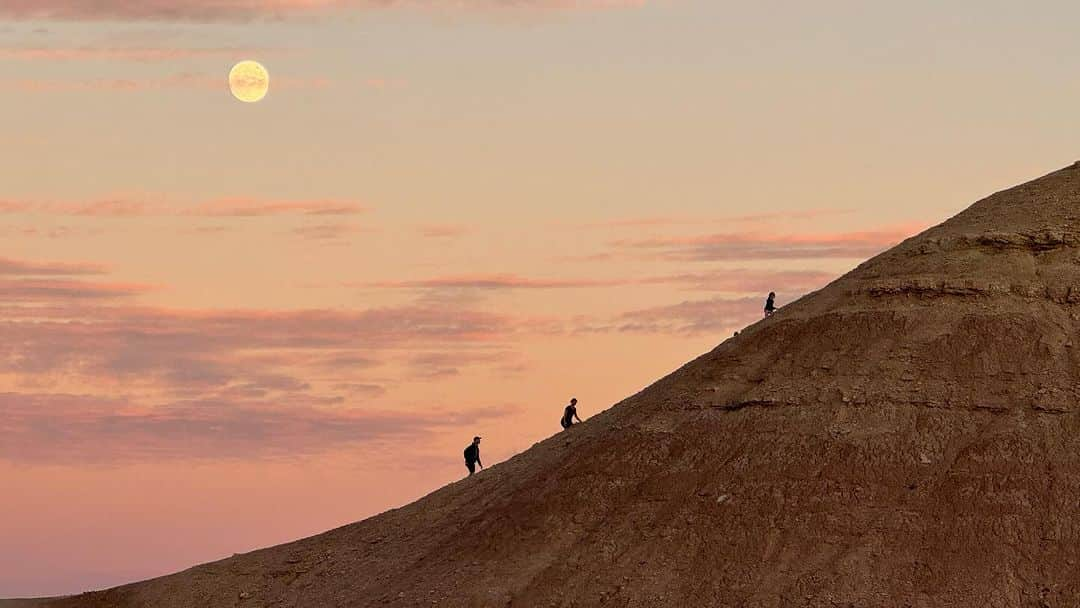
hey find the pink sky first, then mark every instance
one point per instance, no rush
(227, 326)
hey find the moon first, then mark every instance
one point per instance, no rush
(249, 81)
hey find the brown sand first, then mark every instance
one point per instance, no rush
(907, 436)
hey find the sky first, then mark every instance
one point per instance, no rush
(228, 325)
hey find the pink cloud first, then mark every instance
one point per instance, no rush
(14, 206)
(10, 266)
(243, 207)
(55, 428)
(445, 364)
(326, 232)
(803, 214)
(209, 10)
(355, 390)
(181, 383)
(182, 350)
(176, 81)
(346, 359)
(127, 206)
(108, 208)
(442, 231)
(731, 280)
(52, 232)
(741, 280)
(43, 290)
(140, 54)
(496, 281)
(693, 317)
(751, 246)
(643, 222)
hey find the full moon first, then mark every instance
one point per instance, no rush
(249, 81)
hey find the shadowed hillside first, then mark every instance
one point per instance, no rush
(906, 436)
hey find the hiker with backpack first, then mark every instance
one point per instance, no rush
(472, 456)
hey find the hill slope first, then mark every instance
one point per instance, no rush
(906, 436)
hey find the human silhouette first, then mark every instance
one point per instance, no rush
(472, 456)
(569, 414)
(770, 304)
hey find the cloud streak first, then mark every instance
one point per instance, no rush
(326, 233)
(750, 246)
(183, 80)
(243, 207)
(692, 317)
(233, 10)
(137, 54)
(52, 428)
(24, 268)
(742, 280)
(121, 207)
(739, 280)
(657, 221)
(90, 377)
(45, 290)
(495, 281)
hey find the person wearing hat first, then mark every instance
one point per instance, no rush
(472, 455)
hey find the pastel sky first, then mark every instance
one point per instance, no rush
(231, 325)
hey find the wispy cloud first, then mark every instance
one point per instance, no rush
(137, 54)
(136, 206)
(107, 208)
(326, 232)
(495, 281)
(450, 363)
(757, 218)
(26, 268)
(178, 383)
(14, 206)
(442, 231)
(692, 317)
(66, 428)
(243, 207)
(751, 246)
(182, 80)
(737, 280)
(46, 290)
(47, 232)
(742, 280)
(214, 10)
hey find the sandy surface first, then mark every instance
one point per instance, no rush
(907, 436)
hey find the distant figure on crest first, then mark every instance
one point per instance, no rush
(770, 304)
(569, 414)
(472, 456)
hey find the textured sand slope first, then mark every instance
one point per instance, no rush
(907, 436)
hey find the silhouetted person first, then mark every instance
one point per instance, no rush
(472, 455)
(569, 414)
(770, 304)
